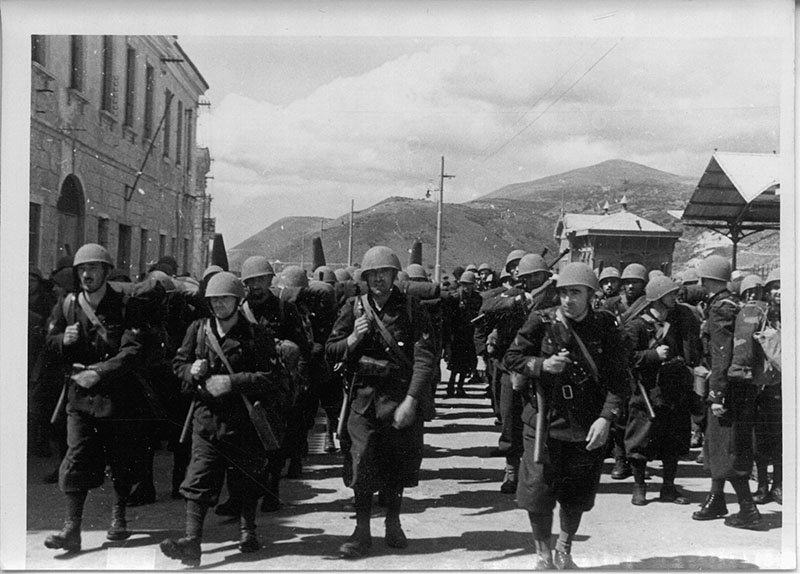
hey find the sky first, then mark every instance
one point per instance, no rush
(303, 124)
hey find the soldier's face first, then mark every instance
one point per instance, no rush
(775, 292)
(574, 300)
(634, 288)
(610, 286)
(223, 307)
(257, 287)
(92, 276)
(380, 281)
(670, 300)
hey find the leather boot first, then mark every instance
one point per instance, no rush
(563, 561)
(119, 525)
(713, 507)
(395, 537)
(639, 498)
(357, 545)
(248, 541)
(544, 555)
(185, 549)
(748, 517)
(509, 485)
(777, 493)
(621, 470)
(762, 495)
(68, 539)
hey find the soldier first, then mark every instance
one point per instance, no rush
(610, 285)
(572, 360)
(231, 367)
(105, 407)
(385, 339)
(485, 277)
(664, 343)
(728, 447)
(634, 279)
(460, 349)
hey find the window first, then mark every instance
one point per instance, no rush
(167, 121)
(34, 234)
(108, 74)
(38, 49)
(76, 73)
(130, 86)
(149, 90)
(102, 231)
(143, 251)
(124, 248)
(179, 134)
(173, 247)
(162, 245)
(186, 254)
(189, 147)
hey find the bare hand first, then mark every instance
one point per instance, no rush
(86, 379)
(217, 385)
(360, 328)
(405, 413)
(598, 434)
(71, 334)
(199, 368)
(663, 352)
(556, 364)
(718, 410)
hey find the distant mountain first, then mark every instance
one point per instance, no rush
(521, 215)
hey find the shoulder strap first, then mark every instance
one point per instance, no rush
(248, 312)
(215, 346)
(387, 336)
(584, 351)
(68, 307)
(87, 309)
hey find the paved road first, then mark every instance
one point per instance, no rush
(456, 519)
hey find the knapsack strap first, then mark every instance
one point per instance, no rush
(584, 351)
(399, 356)
(215, 346)
(87, 309)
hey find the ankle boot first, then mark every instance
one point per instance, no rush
(68, 539)
(248, 542)
(777, 493)
(544, 555)
(509, 485)
(762, 495)
(748, 517)
(713, 507)
(357, 545)
(621, 470)
(119, 525)
(563, 561)
(185, 549)
(639, 497)
(395, 537)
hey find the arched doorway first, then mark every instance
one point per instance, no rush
(70, 208)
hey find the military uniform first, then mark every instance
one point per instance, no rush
(460, 309)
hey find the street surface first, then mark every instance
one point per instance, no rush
(456, 519)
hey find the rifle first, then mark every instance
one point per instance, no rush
(187, 423)
(541, 439)
(61, 405)
(536, 291)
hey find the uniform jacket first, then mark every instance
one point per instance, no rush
(718, 334)
(250, 350)
(115, 360)
(543, 335)
(410, 326)
(282, 319)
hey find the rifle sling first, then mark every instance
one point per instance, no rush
(584, 351)
(87, 309)
(399, 356)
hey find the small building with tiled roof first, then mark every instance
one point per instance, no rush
(615, 239)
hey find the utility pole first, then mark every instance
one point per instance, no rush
(437, 269)
(350, 238)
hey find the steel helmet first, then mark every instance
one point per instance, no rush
(634, 271)
(608, 273)
(715, 267)
(416, 271)
(211, 270)
(256, 266)
(750, 282)
(658, 287)
(484, 267)
(342, 275)
(224, 284)
(471, 267)
(294, 276)
(92, 253)
(774, 275)
(690, 276)
(577, 273)
(325, 274)
(467, 277)
(531, 263)
(165, 280)
(379, 257)
(515, 255)
(655, 273)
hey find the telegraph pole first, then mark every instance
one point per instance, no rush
(350, 238)
(437, 269)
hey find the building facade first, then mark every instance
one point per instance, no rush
(113, 156)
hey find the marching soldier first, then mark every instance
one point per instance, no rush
(460, 349)
(385, 340)
(572, 360)
(728, 447)
(231, 367)
(610, 285)
(664, 343)
(105, 406)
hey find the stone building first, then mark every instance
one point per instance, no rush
(615, 239)
(113, 158)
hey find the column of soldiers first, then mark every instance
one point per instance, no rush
(233, 372)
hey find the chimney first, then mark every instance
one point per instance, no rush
(624, 203)
(605, 208)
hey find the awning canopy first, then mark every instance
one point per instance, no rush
(737, 192)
